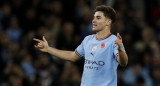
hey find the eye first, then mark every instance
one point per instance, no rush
(98, 17)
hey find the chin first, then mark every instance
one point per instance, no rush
(94, 29)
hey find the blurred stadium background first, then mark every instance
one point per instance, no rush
(65, 23)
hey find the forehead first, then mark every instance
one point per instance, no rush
(99, 13)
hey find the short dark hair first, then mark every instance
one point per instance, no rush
(108, 12)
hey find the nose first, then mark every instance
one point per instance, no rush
(93, 21)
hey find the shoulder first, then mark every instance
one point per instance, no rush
(89, 37)
(114, 37)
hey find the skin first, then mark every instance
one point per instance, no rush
(102, 26)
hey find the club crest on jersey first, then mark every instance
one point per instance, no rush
(102, 45)
(94, 48)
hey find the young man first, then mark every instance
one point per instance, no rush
(102, 51)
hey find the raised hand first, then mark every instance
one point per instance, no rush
(42, 44)
(118, 41)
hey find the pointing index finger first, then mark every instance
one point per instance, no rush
(37, 40)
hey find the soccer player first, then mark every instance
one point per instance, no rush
(102, 51)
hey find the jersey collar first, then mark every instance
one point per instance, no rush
(104, 37)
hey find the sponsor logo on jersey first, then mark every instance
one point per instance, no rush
(100, 63)
(95, 65)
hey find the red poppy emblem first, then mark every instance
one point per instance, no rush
(102, 45)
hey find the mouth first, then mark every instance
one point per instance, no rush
(94, 25)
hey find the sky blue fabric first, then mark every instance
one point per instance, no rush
(100, 66)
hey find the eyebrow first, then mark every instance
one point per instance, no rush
(97, 16)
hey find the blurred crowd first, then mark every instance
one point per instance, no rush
(65, 23)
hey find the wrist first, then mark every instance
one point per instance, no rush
(120, 48)
(48, 49)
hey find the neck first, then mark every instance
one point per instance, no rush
(103, 33)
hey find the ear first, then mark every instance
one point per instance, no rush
(108, 22)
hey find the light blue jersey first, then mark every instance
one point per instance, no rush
(100, 66)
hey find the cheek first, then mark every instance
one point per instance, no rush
(102, 24)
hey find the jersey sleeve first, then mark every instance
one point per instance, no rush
(80, 50)
(116, 50)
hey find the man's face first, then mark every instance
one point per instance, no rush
(99, 21)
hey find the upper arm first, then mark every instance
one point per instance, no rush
(75, 56)
(120, 56)
(116, 53)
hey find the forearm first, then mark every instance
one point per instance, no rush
(65, 55)
(123, 58)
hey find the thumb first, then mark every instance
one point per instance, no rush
(118, 36)
(44, 39)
